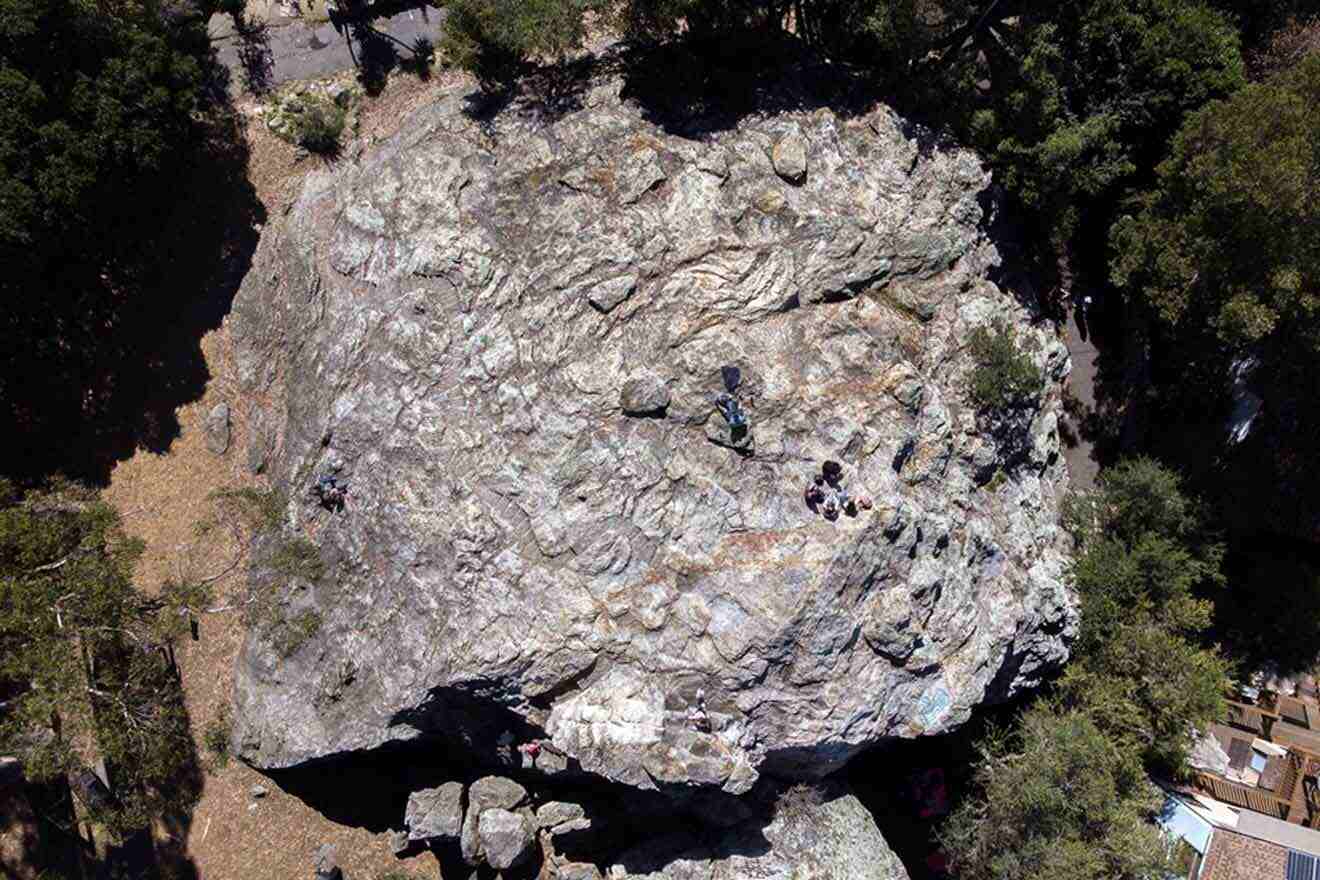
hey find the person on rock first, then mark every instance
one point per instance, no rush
(833, 472)
(813, 495)
(728, 406)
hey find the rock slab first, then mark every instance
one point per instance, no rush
(218, 429)
(435, 813)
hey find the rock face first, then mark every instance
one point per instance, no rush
(456, 324)
(836, 838)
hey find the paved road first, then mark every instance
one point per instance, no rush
(1082, 464)
(297, 49)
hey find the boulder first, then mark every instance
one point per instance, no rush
(830, 837)
(487, 793)
(560, 818)
(643, 395)
(217, 429)
(523, 555)
(259, 442)
(327, 863)
(435, 813)
(506, 838)
(579, 871)
(790, 156)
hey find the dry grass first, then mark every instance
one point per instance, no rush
(231, 836)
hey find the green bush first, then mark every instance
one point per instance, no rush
(1004, 376)
(320, 126)
(215, 738)
(312, 121)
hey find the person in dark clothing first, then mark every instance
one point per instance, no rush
(732, 412)
(330, 492)
(833, 472)
(813, 495)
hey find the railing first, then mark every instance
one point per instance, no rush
(1243, 796)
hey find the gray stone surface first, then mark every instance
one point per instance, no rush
(218, 429)
(326, 863)
(560, 818)
(643, 395)
(834, 839)
(435, 813)
(790, 156)
(487, 793)
(517, 546)
(260, 442)
(506, 838)
(579, 871)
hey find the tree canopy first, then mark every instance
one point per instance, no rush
(1231, 235)
(83, 655)
(120, 176)
(1067, 792)
(1060, 800)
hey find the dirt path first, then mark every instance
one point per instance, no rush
(1078, 450)
(231, 835)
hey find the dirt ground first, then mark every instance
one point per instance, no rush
(233, 836)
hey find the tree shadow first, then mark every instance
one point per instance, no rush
(42, 831)
(1269, 613)
(79, 393)
(376, 53)
(691, 88)
(254, 55)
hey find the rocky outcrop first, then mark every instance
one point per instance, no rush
(463, 323)
(822, 839)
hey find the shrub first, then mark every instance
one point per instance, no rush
(308, 119)
(215, 738)
(1004, 376)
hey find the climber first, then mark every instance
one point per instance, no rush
(845, 501)
(831, 508)
(329, 490)
(813, 494)
(732, 412)
(833, 472)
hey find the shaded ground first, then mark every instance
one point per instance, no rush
(894, 782)
(1079, 445)
(163, 492)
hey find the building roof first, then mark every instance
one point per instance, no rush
(1234, 856)
(1282, 833)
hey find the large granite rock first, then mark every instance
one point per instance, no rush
(450, 323)
(831, 839)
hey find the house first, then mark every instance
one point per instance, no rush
(1264, 756)
(1252, 808)
(1217, 841)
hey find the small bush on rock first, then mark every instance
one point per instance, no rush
(216, 739)
(1004, 377)
(311, 120)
